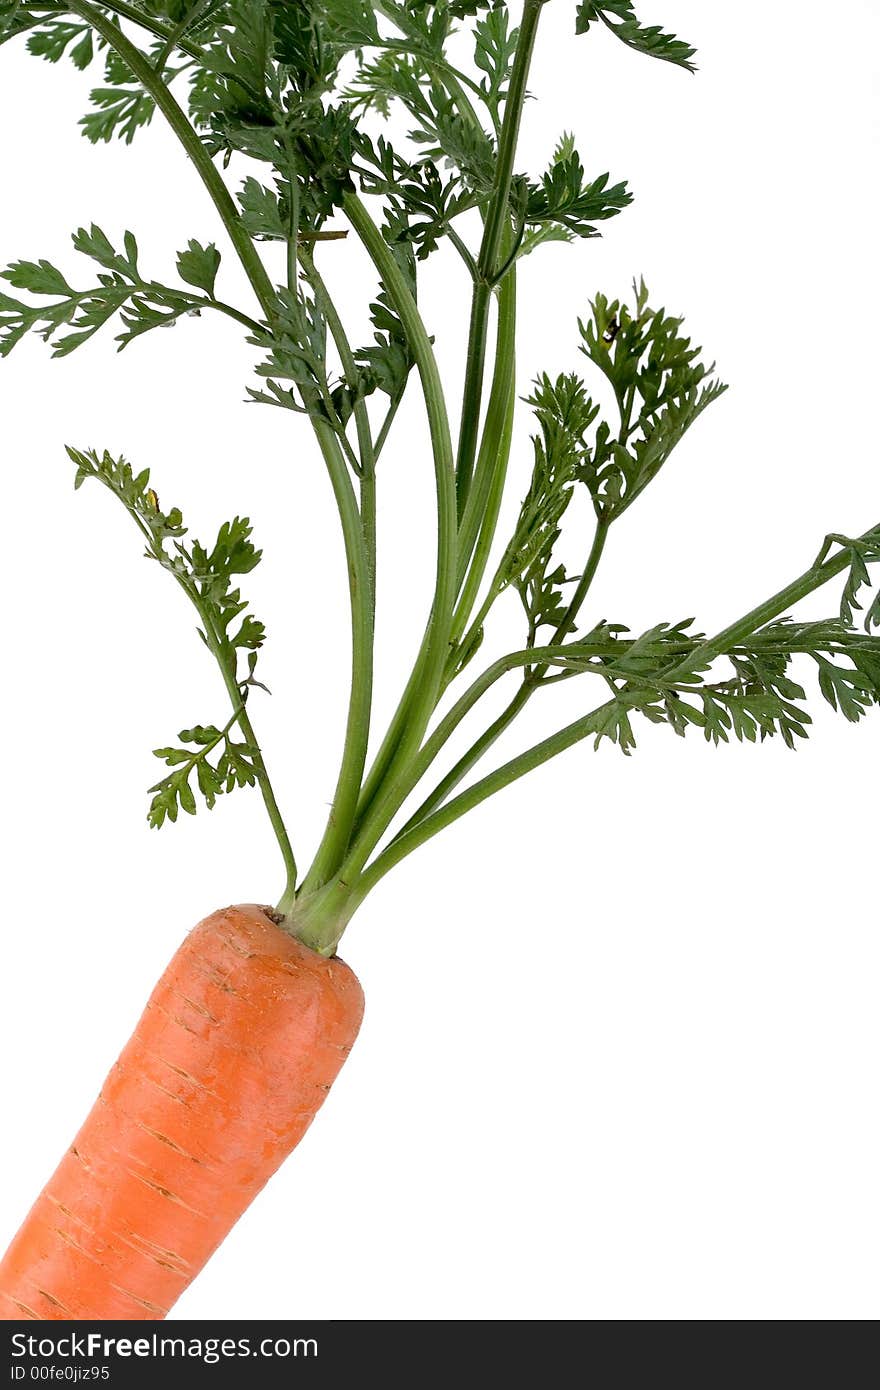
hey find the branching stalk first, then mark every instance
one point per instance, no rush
(274, 92)
(420, 697)
(487, 261)
(237, 696)
(584, 583)
(339, 827)
(491, 467)
(424, 828)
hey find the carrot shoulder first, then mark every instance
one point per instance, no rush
(235, 1052)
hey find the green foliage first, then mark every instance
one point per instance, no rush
(259, 89)
(231, 94)
(620, 17)
(209, 577)
(162, 529)
(756, 699)
(439, 129)
(661, 388)
(198, 265)
(262, 211)
(494, 52)
(388, 360)
(565, 414)
(59, 37)
(862, 553)
(347, 23)
(214, 573)
(194, 774)
(74, 316)
(422, 202)
(121, 108)
(264, 81)
(296, 347)
(10, 18)
(528, 563)
(564, 205)
(426, 26)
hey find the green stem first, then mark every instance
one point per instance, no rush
(471, 757)
(470, 640)
(493, 456)
(571, 613)
(292, 217)
(266, 790)
(510, 772)
(366, 447)
(361, 595)
(462, 249)
(368, 527)
(485, 539)
(230, 311)
(390, 800)
(480, 520)
(420, 696)
(354, 754)
(478, 330)
(488, 259)
(385, 427)
(359, 583)
(533, 681)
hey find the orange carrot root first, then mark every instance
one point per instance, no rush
(235, 1052)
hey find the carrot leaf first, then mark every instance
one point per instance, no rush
(757, 699)
(620, 17)
(209, 577)
(194, 774)
(661, 388)
(71, 319)
(566, 203)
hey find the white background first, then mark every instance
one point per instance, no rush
(620, 1053)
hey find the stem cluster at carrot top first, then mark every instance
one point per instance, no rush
(280, 108)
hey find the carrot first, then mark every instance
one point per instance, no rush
(235, 1052)
(249, 1027)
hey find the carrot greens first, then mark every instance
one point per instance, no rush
(280, 108)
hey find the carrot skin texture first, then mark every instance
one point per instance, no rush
(236, 1050)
